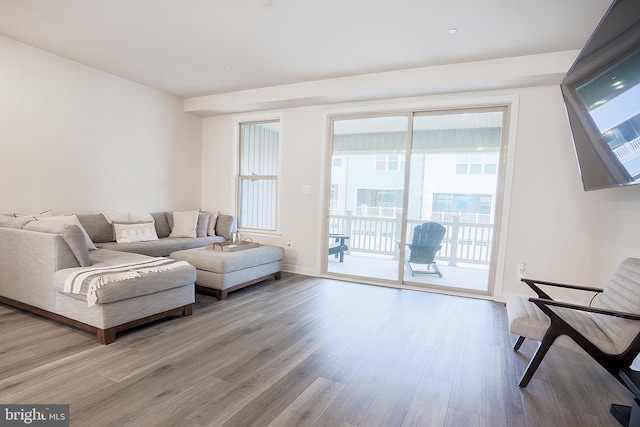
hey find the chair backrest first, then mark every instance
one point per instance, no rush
(621, 294)
(427, 240)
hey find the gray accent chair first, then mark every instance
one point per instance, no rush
(608, 330)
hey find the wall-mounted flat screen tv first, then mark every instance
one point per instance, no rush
(602, 97)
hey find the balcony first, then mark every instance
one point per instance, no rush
(374, 252)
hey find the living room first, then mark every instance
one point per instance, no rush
(83, 140)
(79, 139)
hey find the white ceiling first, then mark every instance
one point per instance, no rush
(191, 48)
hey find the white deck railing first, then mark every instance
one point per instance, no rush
(468, 239)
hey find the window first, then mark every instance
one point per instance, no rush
(258, 175)
(334, 191)
(476, 164)
(378, 202)
(390, 162)
(462, 166)
(490, 168)
(333, 199)
(462, 203)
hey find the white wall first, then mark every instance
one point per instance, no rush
(617, 230)
(75, 139)
(561, 232)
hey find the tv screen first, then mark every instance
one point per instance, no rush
(602, 97)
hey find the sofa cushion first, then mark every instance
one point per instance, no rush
(70, 220)
(14, 222)
(162, 224)
(225, 225)
(203, 224)
(126, 232)
(72, 235)
(127, 216)
(48, 212)
(211, 231)
(145, 285)
(184, 224)
(162, 247)
(97, 227)
(226, 262)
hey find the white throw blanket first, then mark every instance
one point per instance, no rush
(87, 281)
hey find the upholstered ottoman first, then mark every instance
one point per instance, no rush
(219, 273)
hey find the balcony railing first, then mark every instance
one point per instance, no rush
(468, 239)
(629, 150)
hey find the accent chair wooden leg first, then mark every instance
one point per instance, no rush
(518, 343)
(535, 361)
(277, 276)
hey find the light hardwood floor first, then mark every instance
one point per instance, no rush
(305, 351)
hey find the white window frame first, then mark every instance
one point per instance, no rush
(237, 122)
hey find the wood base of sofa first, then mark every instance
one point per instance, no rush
(104, 336)
(222, 294)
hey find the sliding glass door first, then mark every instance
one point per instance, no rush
(366, 200)
(453, 199)
(414, 198)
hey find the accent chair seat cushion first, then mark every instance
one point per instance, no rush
(526, 319)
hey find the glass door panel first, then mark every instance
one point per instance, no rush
(368, 162)
(452, 199)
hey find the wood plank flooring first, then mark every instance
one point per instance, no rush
(305, 351)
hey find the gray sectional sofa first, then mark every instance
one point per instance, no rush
(72, 270)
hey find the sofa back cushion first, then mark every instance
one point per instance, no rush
(72, 235)
(70, 220)
(225, 225)
(11, 221)
(97, 227)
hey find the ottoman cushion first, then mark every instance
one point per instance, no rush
(226, 262)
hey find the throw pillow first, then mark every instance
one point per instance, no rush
(72, 235)
(97, 227)
(14, 222)
(203, 223)
(225, 225)
(184, 224)
(70, 220)
(134, 232)
(162, 224)
(212, 224)
(48, 212)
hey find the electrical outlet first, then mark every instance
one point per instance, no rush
(522, 268)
